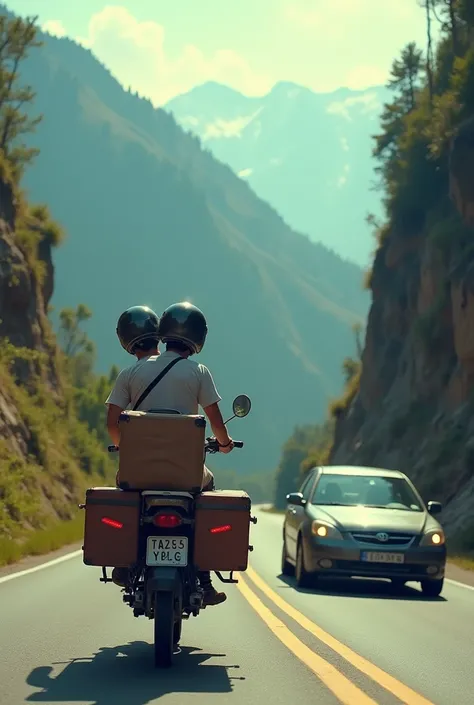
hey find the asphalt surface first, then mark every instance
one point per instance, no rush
(66, 638)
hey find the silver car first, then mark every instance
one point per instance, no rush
(367, 522)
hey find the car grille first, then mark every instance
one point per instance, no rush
(395, 539)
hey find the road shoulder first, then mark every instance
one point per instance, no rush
(33, 561)
(460, 575)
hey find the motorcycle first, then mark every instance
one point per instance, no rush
(169, 592)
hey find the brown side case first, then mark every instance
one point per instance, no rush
(106, 544)
(225, 549)
(161, 451)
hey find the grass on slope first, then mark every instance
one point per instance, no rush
(43, 541)
(464, 562)
(40, 490)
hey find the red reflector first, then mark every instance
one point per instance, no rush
(112, 522)
(166, 521)
(221, 529)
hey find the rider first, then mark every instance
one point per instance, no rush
(189, 384)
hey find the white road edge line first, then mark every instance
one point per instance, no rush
(75, 554)
(41, 566)
(456, 582)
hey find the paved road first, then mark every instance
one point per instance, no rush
(65, 637)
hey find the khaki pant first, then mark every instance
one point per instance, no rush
(207, 481)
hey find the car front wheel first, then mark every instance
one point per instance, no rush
(432, 588)
(286, 567)
(303, 578)
(398, 584)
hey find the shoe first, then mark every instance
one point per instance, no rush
(212, 597)
(120, 576)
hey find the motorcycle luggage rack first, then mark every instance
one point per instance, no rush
(231, 579)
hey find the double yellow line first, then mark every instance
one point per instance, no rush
(333, 679)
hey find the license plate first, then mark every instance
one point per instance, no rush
(167, 550)
(382, 557)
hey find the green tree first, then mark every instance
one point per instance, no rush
(89, 391)
(405, 75)
(72, 337)
(306, 447)
(17, 37)
(404, 81)
(427, 5)
(447, 13)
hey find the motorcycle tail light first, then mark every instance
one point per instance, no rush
(112, 522)
(221, 529)
(166, 521)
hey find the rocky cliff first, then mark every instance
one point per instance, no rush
(46, 455)
(413, 408)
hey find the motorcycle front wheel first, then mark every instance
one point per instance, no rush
(164, 627)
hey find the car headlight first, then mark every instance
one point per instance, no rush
(433, 538)
(325, 531)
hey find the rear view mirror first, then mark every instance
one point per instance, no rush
(435, 507)
(241, 406)
(295, 498)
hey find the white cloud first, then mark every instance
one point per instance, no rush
(54, 27)
(134, 51)
(245, 173)
(276, 161)
(344, 144)
(359, 37)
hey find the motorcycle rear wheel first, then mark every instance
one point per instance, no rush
(164, 628)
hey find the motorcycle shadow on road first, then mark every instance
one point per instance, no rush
(361, 587)
(125, 675)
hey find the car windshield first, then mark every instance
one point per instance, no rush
(365, 490)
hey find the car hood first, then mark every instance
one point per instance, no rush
(365, 518)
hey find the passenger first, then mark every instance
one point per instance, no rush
(185, 387)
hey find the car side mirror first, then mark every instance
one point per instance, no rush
(295, 498)
(435, 507)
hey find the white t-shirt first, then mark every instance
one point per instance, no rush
(185, 387)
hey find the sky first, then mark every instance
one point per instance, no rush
(162, 49)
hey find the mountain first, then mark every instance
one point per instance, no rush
(153, 218)
(306, 153)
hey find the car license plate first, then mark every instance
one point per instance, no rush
(167, 550)
(382, 557)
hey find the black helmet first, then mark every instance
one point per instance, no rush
(183, 323)
(135, 325)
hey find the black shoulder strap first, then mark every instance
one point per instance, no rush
(157, 379)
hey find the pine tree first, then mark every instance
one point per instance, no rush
(17, 37)
(405, 75)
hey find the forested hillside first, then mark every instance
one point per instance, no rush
(409, 401)
(151, 218)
